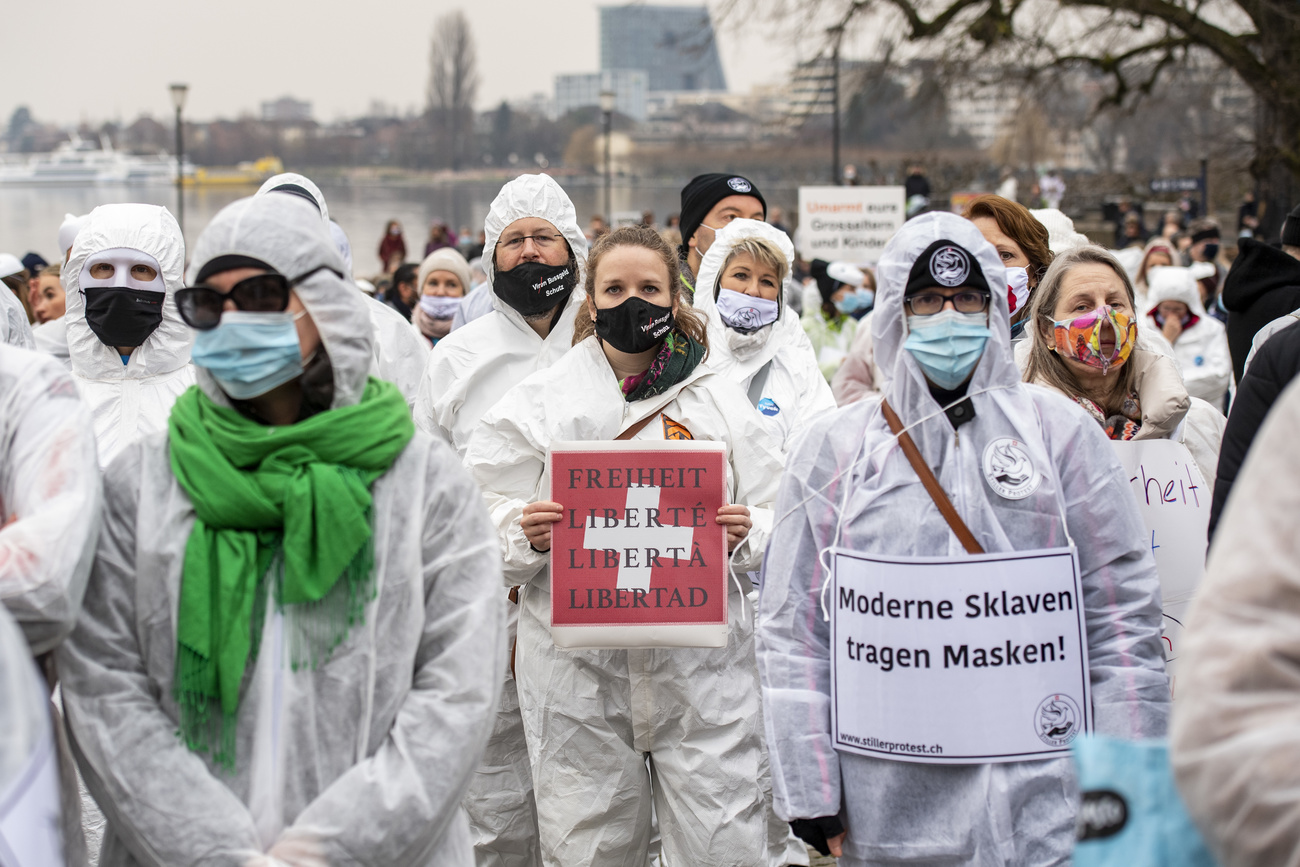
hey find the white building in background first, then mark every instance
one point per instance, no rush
(984, 111)
(286, 108)
(584, 88)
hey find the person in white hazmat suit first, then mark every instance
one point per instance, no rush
(755, 339)
(594, 718)
(532, 239)
(1173, 304)
(49, 496)
(30, 816)
(396, 354)
(951, 380)
(129, 349)
(345, 731)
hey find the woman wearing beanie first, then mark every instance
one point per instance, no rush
(442, 281)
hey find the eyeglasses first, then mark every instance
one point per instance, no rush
(542, 242)
(201, 306)
(930, 303)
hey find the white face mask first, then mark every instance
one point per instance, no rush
(746, 313)
(440, 306)
(1017, 287)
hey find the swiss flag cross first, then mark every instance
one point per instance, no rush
(1011, 298)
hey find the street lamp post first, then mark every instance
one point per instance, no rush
(179, 92)
(607, 110)
(836, 178)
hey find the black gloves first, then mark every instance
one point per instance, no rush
(815, 832)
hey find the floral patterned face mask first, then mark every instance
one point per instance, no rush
(1080, 338)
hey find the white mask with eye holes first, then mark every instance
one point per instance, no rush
(124, 276)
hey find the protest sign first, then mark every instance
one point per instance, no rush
(639, 559)
(958, 660)
(849, 224)
(1175, 504)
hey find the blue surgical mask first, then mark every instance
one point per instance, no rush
(947, 345)
(859, 299)
(250, 353)
(746, 313)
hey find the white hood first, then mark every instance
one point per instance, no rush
(1172, 283)
(287, 233)
(785, 331)
(1061, 235)
(274, 183)
(533, 196)
(149, 229)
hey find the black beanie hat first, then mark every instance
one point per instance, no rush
(1291, 228)
(705, 191)
(826, 284)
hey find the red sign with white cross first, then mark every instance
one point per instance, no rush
(639, 559)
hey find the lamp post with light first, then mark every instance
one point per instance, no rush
(607, 110)
(179, 92)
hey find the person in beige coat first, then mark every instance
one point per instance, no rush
(1125, 379)
(1236, 726)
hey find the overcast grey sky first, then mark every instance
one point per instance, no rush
(72, 60)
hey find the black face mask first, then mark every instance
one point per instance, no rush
(634, 326)
(1211, 250)
(121, 316)
(535, 287)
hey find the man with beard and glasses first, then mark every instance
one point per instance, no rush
(534, 255)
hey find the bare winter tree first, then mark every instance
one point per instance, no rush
(1134, 43)
(453, 83)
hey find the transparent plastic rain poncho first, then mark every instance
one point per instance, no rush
(362, 760)
(794, 389)
(397, 354)
(128, 401)
(849, 480)
(49, 496)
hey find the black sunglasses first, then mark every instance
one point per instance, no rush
(200, 306)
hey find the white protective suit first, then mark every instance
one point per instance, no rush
(593, 717)
(50, 490)
(52, 339)
(793, 391)
(849, 472)
(470, 370)
(29, 786)
(397, 355)
(128, 401)
(364, 759)
(1202, 347)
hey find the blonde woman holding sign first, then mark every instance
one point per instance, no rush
(594, 718)
(992, 597)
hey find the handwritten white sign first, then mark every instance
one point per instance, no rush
(966, 660)
(849, 224)
(1175, 504)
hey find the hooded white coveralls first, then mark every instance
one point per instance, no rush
(128, 401)
(793, 391)
(1202, 347)
(364, 759)
(594, 716)
(1020, 813)
(29, 788)
(470, 370)
(14, 327)
(397, 355)
(778, 371)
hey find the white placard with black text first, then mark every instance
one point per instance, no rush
(849, 224)
(958, 660)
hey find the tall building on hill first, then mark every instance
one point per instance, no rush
(675, 45)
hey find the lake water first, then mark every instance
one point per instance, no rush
(30, 215)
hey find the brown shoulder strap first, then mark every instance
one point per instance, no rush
(637, 428)
(932, 487)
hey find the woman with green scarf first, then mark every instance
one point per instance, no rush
(288, 650)
(595, 717)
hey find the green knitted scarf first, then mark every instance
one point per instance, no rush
(290, 505)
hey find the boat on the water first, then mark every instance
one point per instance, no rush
(82, 162)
